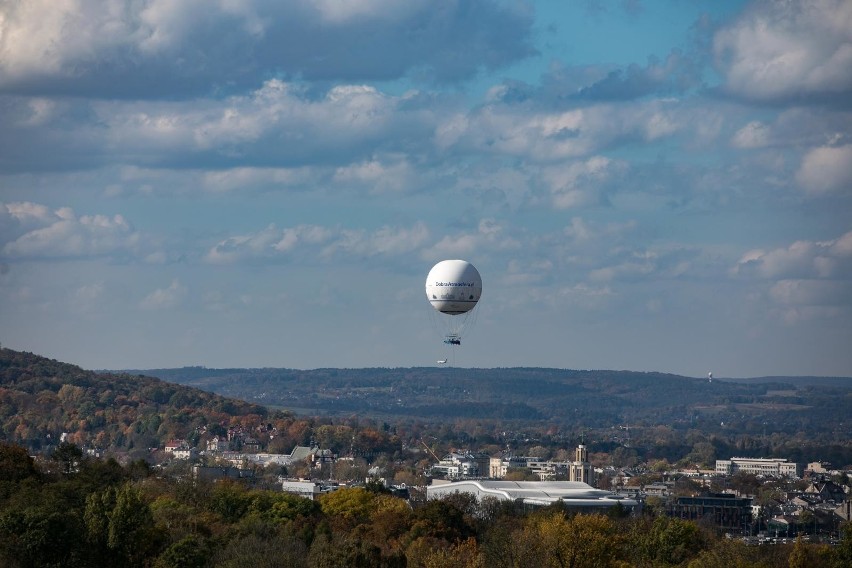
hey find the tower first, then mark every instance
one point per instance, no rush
(581, 469)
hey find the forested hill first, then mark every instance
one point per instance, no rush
(40, 399)
(556, 396)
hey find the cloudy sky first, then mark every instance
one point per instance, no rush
(661, 186)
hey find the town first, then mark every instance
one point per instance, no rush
(761, 500)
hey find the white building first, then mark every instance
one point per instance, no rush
(308, 489)
(570, 493)
(456, 465)
(180, 450)
(578, 470)
(217, 444)
(766, 467)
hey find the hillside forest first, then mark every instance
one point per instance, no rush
(624, 418)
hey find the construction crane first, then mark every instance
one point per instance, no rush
(428, 449)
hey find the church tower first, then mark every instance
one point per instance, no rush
(581, 469)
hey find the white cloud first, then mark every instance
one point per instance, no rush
(780, 49)
(580, 183)
(251, 178)
(385, 241)
(827, 169)
(390, 174)
(799, 259)
(552, 136)
(41, 233)
(811, 292)
(755, 134)
(164, 298)
(312, 242)
(155, 47)
(808, 279)
(489, 236)
(232, 249)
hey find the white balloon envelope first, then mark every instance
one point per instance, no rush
(453, 288)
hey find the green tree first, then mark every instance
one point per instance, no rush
(15, 463)
(119, 523)
(348, 507)
(842, 554)
(257, 551)
(40, 536)
(189, 552)
(68, 456)
(667, 540)
(554, 540)
(130, 534)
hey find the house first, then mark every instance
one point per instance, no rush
(826, 490)
(217, 444)
(180, 450)
(251, 445)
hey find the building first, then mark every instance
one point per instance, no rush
(308, 489)
(202, 473)
(572, 494)
(456, 465)
(722, 509)
(498, 467)
(578, 470)
(180, 450)
(581, 470)
(217, 444)
(250, 445)
(766, 467)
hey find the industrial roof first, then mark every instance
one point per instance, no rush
(533, 492)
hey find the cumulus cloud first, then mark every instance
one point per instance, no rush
(378, 175)
(755, 134)
(490, 235)
(164, 298)
(676, 74)
(580, 183)
(312, 241)
(158, 47)
(550, 135)
(779, 50)
(277, 127)
(34, 231)
(807, 279)
(802, 259)
(827, 169)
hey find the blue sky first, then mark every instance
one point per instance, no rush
(661, 186)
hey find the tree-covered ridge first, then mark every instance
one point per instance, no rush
(558, 396)
(41, 399)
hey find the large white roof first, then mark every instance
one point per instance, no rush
(571, 493)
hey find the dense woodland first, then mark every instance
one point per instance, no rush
(563, 397)
(73, 511)
(659, 416)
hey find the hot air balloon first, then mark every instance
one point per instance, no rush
(453, 287)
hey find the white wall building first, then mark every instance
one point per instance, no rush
(767, 467)
(578, 470)
(308, 489)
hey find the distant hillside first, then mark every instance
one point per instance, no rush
(40, 399)
(595, 399)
